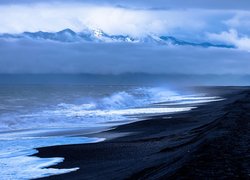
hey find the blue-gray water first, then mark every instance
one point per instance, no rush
(39, 115)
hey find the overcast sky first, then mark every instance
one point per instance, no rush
(186, 19)
(223, 21)
(205, 4)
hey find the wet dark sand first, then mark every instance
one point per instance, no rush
(210, 142)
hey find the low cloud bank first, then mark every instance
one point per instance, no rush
(232, 37)
(118, 58)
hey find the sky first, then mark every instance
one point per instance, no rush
(212, 4)
(224, 22)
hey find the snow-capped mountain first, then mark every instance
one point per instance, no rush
(69, 36)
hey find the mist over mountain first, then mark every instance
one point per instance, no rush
(29, 56)
(69, 36)
(109, 37)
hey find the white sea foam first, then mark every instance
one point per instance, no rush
(16, 161)
(194, 101)
(121, 112)
(92, 112)
(89, 114)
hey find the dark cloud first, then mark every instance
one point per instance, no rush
(108, 58)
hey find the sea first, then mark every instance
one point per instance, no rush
(43, 115)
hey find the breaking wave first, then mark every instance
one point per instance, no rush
(66, 122)
(121, 106)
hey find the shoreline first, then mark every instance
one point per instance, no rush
(159, 147)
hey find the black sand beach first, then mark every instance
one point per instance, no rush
(209, 142)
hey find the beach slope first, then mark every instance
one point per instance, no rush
(211, 141)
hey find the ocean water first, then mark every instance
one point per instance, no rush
(33, 116)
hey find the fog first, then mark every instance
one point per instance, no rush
(118, 58)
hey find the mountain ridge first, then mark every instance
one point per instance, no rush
(70, 36)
